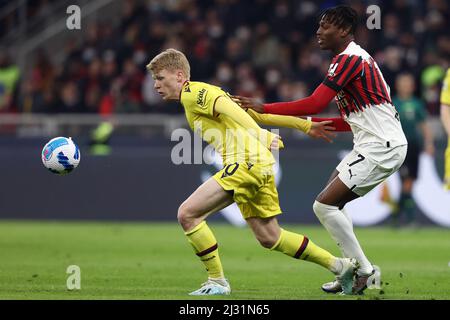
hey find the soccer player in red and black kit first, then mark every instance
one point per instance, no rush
(363, 99)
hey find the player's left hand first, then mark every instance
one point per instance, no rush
(322, 130)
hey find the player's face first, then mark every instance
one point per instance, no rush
(327, 35)
(168, 84)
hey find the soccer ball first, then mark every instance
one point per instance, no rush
(61, 155)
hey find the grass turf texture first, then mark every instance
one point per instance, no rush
(155, 261)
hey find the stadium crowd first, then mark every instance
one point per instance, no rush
(262, 48)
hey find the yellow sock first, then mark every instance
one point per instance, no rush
(205, 246)
(300, 247)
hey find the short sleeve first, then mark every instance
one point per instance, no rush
(343, 69)
(201, 98)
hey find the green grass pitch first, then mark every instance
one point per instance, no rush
(155, 261)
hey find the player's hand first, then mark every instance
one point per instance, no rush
(251, 103)
(322, 130)
(277, 143)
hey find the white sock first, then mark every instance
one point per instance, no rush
(349, 219)
(344, 211)
(341, 230)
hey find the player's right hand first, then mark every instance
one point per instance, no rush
(251, 103)
(322, 130)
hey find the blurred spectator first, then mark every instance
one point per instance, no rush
(9, 77)
(419, 135)
(246, 47)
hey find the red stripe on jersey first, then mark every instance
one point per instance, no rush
(366, 82)
(354, 92)
(384, 92)
(372, 87)
(353, 69)
(342, 71)
(347, 68)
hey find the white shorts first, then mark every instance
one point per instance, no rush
(368, 165)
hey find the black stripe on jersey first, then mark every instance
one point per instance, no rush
(352, 70)
(381, 93)
(365, 84)
(380, 86)
(338, 60)
(354, 101)
(357, 99)
(332, 85)
(374, 84)
(359, 95)
(342, 71)
(383, 89)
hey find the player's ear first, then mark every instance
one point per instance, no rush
(180, 76)
(345, 32)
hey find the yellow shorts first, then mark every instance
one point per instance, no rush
(253, 187)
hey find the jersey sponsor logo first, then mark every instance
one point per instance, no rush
(201, 98)
(342, 103)
(351, 174)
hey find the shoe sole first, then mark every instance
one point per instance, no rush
(331, 291)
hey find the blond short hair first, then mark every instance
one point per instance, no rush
(170, 59)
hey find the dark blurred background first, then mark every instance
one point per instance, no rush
(260, 47)
(92, 84)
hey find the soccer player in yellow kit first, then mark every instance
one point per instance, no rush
(246, 178)
(445, 117)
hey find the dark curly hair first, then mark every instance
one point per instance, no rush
(342, 16)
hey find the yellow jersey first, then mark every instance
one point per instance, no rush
(445, 92)
(234, 142)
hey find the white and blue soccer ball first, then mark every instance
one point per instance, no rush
(61, 155)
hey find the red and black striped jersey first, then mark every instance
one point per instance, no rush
(363, 97)
(358, 82)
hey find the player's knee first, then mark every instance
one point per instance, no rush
(316, 206)
(320, 209)
(267, 241)
(184, 215)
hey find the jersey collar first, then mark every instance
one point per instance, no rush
(183, 87)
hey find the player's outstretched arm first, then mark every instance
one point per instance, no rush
(313, 104)
(280, 121)
(226, 106)
(323, 130)
(339, 124)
